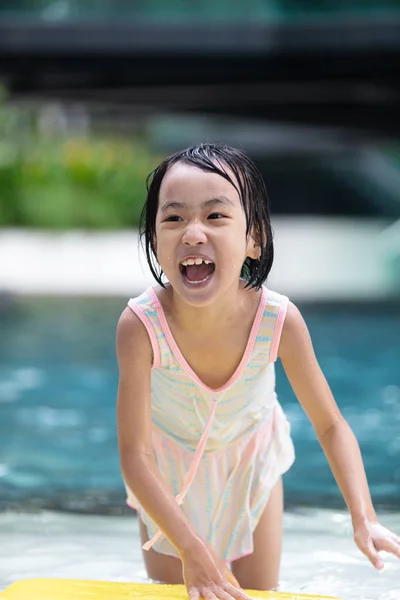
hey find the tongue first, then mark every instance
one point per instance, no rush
(198, 272)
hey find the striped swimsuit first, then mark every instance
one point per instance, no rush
(221, 451)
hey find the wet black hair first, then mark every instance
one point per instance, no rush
(217, 158)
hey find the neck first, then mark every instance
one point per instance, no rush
(206, 320)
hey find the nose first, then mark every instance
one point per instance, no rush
(194, 234)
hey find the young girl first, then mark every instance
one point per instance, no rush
(203, 440)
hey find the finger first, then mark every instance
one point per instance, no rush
(396, 538)
(370, 551)
(194, 594)
(390, 545)
(223, 595)
(220, 593)
(237, 593)
(208, 595)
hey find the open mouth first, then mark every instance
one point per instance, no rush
(196, 270)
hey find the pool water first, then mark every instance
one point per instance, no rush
(319, 555)
(58, 380)
(58, 447)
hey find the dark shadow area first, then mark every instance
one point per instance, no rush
(306, 62)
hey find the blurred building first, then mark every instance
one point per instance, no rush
(307, 61)
(311, 89)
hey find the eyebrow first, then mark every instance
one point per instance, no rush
(207, 204)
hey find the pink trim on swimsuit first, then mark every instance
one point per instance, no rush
(240, 556)
(278, 330)
(181, 359)
(153, 338)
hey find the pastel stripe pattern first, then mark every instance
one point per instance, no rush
(220, 451)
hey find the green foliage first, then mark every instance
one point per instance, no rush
(69, 182)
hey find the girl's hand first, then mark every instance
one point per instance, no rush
(371, 538)
(207, 576)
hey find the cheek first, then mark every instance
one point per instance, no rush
(165, 258)
(159, 242)
(234, 253)
(165, 254)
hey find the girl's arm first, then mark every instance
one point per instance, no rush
(141, 474)
(335, 436)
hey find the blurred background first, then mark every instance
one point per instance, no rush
(92, 96)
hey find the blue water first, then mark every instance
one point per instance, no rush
(58, 379)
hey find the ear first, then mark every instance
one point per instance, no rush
(253, 247)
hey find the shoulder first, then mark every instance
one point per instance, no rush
(295, 333)
(129, 325)
(293, 318)
(132, 339)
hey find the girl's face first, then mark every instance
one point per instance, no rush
(201, 240)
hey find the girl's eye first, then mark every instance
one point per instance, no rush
(173, 218)
(216, 216)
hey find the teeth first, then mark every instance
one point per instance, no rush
(200, 281)
(196, 261)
